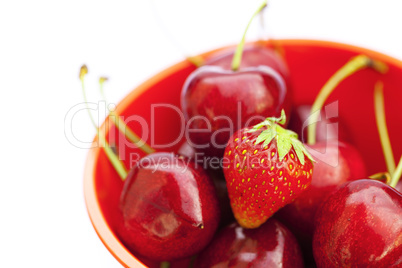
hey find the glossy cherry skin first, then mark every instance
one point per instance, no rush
(340, 163)
(217, 102)
(326, 129)
(359, 225)
(253, 55)
(270, 245)
(169, 207)
(216, 174)
(398, 186)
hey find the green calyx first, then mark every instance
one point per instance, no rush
(285, 139)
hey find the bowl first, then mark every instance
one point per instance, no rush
(310, 64)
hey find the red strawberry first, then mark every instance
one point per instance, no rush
(265, 169)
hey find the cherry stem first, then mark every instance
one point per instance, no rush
(197, 61)
(396, 175)
(382, 176)
(121, 125)
(117, 164)
(382, 127)
(239, 50)
(355, 64)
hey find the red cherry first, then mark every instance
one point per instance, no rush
(359, 225)
(169, 207)
(217, 102)
(271, 245)
(336, 162)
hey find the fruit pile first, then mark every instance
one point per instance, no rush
(273, 200)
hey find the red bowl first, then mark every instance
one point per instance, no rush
(310, 63)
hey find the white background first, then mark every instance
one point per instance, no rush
(43, 220)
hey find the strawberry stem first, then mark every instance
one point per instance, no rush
(396, 175)
(239, 50)
(117, 164)
(382, 127)
(355, 64)
(122, 125)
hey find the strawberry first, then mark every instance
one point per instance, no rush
(266, 167)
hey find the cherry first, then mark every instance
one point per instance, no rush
(169, 208)
(215, 97)
(336, 162)
(359, 225)
(216, 102)
(271, 245)
(168, 204)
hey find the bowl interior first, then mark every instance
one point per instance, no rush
(310, 63)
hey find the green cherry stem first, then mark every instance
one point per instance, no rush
(382, 127)
(117, 164)
(239, 50)
(355, 64)
(122, 125)
(197, 61)
(381, 176)
(396, 175)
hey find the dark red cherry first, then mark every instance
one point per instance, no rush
(218, 102)
(359, 225)
(169, 207)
